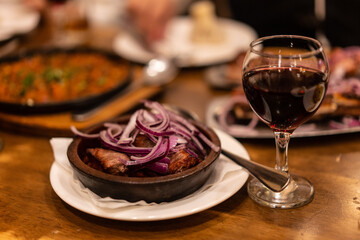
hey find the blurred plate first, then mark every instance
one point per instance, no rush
(261, 131)
(226, 76)
(216, 77)
(16, 19)
(71, 104)
(177, 42)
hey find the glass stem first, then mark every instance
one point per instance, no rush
(282, 140)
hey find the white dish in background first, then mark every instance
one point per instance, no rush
(177, 42)
(199, 201)
(16, 19)
(263, 132)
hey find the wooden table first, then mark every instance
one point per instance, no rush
(30, 209)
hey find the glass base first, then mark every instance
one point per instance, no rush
(299, 192)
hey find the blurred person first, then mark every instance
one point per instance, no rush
(150, 17)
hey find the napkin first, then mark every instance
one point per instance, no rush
(224, 170)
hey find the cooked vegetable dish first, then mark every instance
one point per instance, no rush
(58, 77)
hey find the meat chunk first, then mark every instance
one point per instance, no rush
(182, 160)
(110, 160)
(93, 162)
(143, 141)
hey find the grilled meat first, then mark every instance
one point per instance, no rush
(110, 160)
(182, 160)
(143, 141)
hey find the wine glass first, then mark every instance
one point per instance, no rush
(285, 78)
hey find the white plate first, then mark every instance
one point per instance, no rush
(199, 201)
(15, 19)
(177, 42)
(263, 132)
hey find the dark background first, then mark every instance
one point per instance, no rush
(267, 17)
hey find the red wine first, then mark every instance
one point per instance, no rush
(284, 98)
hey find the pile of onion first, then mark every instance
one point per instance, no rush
(168, 131)
(346, 122)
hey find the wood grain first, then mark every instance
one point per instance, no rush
(30, 209)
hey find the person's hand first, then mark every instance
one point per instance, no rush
(151, 17)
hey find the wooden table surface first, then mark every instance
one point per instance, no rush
(30, 209)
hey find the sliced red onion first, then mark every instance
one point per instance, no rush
(83, 135)
(151, 117)
(177, 148)
(163, 113)
(346, 122)
(114, 129)
(169, 132)
(183, 121)
(110, 136)
(336, 125)
(198, 144)
(151, 155)
(173, 141)
(123, 161)
(151, 131)
(128, 129)
(351, 121)
(158, 126)
(158, 167)
(136, 133)
(164, 160)
(151, 137)
(161, 149)
(191, 152)
(122, 148)
(181, 140)
(180, 130)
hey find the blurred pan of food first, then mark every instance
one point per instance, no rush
(45, 81)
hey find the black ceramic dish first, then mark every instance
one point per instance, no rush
(150, 189)
(69, 105)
